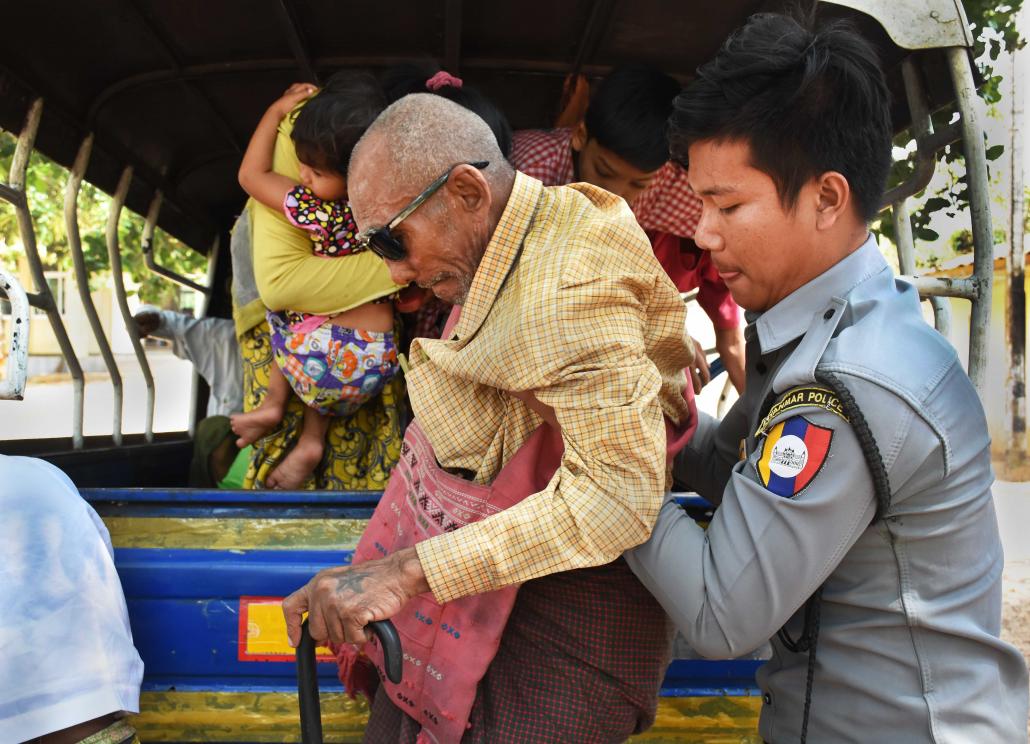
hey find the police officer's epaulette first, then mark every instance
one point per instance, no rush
(804, 396)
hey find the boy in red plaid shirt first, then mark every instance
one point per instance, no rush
(621, 145)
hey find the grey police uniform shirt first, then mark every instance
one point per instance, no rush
(908, 649)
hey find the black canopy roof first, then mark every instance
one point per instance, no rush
(175, 88)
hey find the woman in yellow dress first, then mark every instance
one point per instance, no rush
(272, 267)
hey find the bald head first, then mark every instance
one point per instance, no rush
(419, 137)
(411, 144)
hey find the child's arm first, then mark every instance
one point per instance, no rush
(256, 175)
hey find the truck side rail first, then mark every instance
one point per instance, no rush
(14, 193)
(114, 252)
(71, 221)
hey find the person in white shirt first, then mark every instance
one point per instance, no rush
(210, 343)
(69, 670)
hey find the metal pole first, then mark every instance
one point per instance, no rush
(42, 298)
(907, 263)
(980, 211)
(1015, 297)
(922, 129)
(13, 386)
(147, 243)
(71, 221)
(903, 237)
(932, 286)
(212, 268)
(115, 255)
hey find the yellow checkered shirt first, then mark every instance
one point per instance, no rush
(570, 303)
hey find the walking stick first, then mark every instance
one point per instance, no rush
(307, 675)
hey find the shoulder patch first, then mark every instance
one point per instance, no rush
(793, 453)
(803, 397)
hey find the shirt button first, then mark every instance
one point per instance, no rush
(767, 699)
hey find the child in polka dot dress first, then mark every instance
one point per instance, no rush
(333, 363)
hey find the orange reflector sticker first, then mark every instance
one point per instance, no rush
(262, 632)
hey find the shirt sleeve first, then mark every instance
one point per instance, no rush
(290, 277)
(174, 327)
(706, 463)
(607, 491)
(305, 210)
(730, 588)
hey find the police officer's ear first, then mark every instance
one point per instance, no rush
(833, 199)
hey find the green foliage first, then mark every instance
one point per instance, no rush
(994, 28)
(962, 241)
(959, 244)
(44, 186)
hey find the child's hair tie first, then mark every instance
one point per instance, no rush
(442, 79)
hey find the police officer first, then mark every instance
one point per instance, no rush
(855, 525)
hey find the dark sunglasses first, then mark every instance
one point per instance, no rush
(381, 242)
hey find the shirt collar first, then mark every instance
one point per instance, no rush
(792, 316)
(500, 255)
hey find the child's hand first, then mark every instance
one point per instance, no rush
(293, 95)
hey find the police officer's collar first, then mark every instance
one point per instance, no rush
(792, 316)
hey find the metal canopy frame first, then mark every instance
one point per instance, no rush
(295, 39)
(71, 221)
(949, 32)
(975, 288)
(165, 46)
(953, 40)
(147, 246)
(115, 255)
(13, 192)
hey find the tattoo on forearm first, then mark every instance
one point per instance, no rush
(351, 581)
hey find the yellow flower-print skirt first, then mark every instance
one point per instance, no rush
(361, 449)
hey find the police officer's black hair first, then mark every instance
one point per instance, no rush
(328, 126)
(407, 78)
(628, 115)
(806, 102)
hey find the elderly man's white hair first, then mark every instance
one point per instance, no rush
(426, 135)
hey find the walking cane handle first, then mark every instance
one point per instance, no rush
(307, 674)
(393, 658)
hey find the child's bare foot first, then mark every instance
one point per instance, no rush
(253, 425)
(298, 464)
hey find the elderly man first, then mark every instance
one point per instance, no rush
(567, 318)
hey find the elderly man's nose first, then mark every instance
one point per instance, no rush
(400, 272)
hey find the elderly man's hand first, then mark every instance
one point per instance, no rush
(341, 601)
